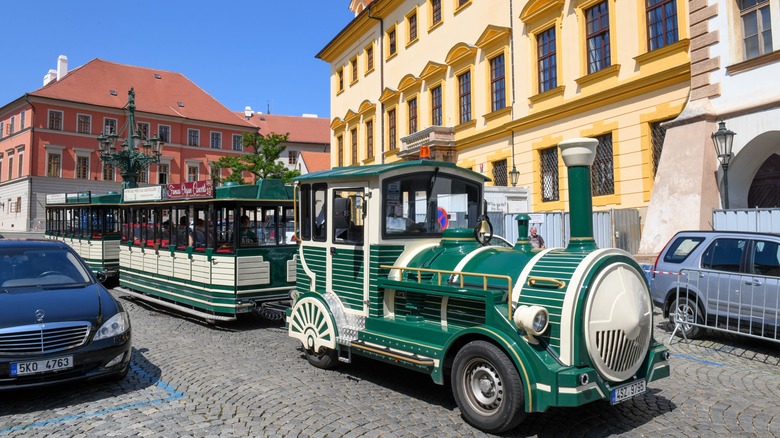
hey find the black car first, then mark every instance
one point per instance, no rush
(57, 322)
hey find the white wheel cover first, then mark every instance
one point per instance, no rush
(311, 324)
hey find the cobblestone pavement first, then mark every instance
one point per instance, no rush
(249, 379)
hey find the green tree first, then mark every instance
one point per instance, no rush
(262, 162)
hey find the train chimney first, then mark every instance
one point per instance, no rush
(522, 244)
(578, 155)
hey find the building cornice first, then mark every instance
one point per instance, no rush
(357, 28)
(675, 75)
(121, 112)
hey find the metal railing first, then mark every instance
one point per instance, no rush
(743, 304)
(460, 278)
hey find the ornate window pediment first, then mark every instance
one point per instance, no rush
(336, 123)
(367, 106)
(535, 9)
(432, 69)
(408, 82)
(350, 116)
(493, 35)
(388, 95)
(461, 52)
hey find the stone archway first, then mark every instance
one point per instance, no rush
(754, 168)
(764, 191)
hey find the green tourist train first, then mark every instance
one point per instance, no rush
(394, 264)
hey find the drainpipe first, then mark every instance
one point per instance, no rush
(512, 80)
(512, 56)
(31, 158)
(381, 79)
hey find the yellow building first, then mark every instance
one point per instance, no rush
(495, 85)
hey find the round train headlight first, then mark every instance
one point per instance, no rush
(533, 319)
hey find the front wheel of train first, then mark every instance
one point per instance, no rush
(487, 388)
(325, 359)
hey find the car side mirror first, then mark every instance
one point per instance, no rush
(101, 276)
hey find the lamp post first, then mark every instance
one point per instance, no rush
(135, 153)
(724, 139)
(514, 175)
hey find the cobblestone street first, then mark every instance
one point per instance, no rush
(249, 379)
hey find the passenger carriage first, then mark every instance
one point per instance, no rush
(213, 253)
(393, 265)
(89, 223)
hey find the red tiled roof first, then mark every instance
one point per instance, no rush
(92, 84)
(301, 129)
(316, 160)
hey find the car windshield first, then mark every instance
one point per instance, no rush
(41, 267)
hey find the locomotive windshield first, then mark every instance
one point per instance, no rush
(425, 204)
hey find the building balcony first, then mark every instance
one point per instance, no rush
(439, 139)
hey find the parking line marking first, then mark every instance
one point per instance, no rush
(173, 394)
(706, 362)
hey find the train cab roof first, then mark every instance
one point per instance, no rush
(363, 172)
(274, 189)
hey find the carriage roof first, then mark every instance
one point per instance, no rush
(349, 172)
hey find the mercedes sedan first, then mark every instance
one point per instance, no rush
(57, 322)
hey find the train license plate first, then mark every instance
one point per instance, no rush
(41, 366)
(625, 392)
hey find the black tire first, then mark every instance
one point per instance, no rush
(487, 388)
(689, 310)
(325, 359)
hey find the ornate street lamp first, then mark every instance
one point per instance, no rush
(135, 153)
(514, 174)
(723, 139)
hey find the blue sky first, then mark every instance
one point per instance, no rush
(255, 53)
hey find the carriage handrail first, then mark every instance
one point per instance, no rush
(461, 275)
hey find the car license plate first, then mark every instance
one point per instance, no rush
(41, 366)
(625, 392)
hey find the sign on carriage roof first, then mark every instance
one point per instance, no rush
(68, 198)
(150, 193)
(191, 189)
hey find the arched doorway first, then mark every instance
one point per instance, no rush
(765, 189)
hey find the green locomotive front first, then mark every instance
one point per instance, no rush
(393, 264)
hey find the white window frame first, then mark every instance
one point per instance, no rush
(105, 122)
(89, 128)
(240, 139)
(211, 139)
(148, 129)
(54, 150)
(19, 160)
(82, 153)
(62, 120)
(168, 140)
(189, 164)
(103, 172)
(189, 130)
(164, 161)
(10, 154)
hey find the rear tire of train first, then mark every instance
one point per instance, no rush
(487, 388)
(688, 309)
(325, 359)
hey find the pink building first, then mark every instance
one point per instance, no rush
(48, 136)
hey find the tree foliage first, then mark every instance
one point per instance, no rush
(262, 162)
